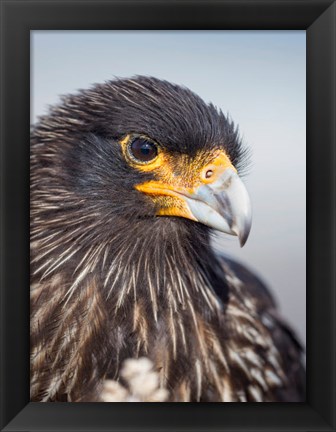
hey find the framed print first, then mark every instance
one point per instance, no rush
(188, 325)
(186, 342)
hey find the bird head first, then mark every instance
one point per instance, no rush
(204, 188)
(147, 148)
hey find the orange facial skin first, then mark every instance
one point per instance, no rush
(178, 176)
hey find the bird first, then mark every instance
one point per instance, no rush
(130, 179)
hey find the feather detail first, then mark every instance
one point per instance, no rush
(112, 282)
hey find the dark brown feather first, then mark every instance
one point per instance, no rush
(110, 281)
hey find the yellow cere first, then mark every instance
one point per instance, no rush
(176, 176)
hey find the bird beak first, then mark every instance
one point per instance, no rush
(222, 203)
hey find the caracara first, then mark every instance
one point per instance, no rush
(129, 179)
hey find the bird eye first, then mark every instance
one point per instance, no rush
(143, 150)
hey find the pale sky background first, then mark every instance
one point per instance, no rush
(259, 78)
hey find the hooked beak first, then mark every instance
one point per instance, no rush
(222, 203)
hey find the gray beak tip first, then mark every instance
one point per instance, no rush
(243, 239)
(243, 233)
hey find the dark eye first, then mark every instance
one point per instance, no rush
(143, 150)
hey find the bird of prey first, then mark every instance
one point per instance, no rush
(129, 179)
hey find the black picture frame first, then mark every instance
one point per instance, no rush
(18, 18)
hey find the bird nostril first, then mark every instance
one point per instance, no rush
(209, 173)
